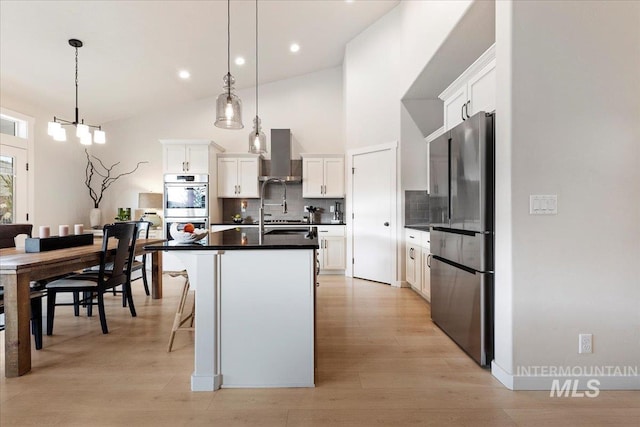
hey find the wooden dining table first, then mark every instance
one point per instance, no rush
(18, 268)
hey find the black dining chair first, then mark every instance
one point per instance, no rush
(140, 264)
(94, 284)
(8, 234)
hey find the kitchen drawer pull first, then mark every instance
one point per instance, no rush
(462, 111)
(429, 260)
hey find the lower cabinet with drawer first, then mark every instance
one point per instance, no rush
(332, 253)
(418, 261)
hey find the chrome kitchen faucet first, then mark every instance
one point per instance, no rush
(262, 204)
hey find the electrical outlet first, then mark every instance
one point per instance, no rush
(332, 209)
(585, 343)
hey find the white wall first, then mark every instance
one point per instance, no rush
(58, 171)
(571, 122)
(310, 105)
(424, 27)
(414, 167)
(372, 64)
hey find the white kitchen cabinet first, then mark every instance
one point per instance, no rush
(332, 242)
(418, 261)
(238, 175)
(473, 91)
(426, 267)
(322, 176)
(186, 157)
(413, 257)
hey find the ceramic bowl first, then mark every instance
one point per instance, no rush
(184, 237)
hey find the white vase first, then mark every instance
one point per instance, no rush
(95, 218)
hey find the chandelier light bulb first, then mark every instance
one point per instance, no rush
(228, 111)
(60, 134)
(85, 139)
(99, 137)
(52, 128)
(82, 130)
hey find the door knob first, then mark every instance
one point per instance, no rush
(386, 224)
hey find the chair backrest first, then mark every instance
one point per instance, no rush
(8, 233)
(143, 229)
(125, 235)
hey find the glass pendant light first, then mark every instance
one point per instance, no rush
(257, 138)
(228, 105)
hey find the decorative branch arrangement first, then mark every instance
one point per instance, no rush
(106, 177)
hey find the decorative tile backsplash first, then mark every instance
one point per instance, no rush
(273, 194)
(416, 207)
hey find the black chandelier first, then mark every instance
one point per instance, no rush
(58, 132)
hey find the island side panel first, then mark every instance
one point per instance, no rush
(203, 270)
(267, 318)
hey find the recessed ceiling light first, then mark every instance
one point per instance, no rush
(349, 1)
(184, 74)
(295, 47)
(239, 60)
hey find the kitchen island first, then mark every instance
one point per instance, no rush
(255, 306)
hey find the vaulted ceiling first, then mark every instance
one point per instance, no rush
(133, 50)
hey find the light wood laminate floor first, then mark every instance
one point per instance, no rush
(381, 362)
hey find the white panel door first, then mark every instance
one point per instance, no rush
(13, 185)
(227, 177)
(312, 177)
(373, 250)
(334, 177)
(197, 158)
(248, 177)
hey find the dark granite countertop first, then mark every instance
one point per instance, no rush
(241, 238)
(419, 227)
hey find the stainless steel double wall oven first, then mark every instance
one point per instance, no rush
(186, 199)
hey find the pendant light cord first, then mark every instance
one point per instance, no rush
(257, 118)
(229, 48)
(77, 113)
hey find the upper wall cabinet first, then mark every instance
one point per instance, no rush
(322, 175)
(188, 156)
(238, 175)
(473, 91)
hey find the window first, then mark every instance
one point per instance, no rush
(12, 126)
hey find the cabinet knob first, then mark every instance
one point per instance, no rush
(386, 224)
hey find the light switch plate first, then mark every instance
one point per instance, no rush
(543, 204)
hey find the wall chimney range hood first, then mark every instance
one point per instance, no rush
(280, 165)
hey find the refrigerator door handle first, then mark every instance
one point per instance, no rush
(456, 265)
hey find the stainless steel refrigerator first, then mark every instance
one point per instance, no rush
(461, 205)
